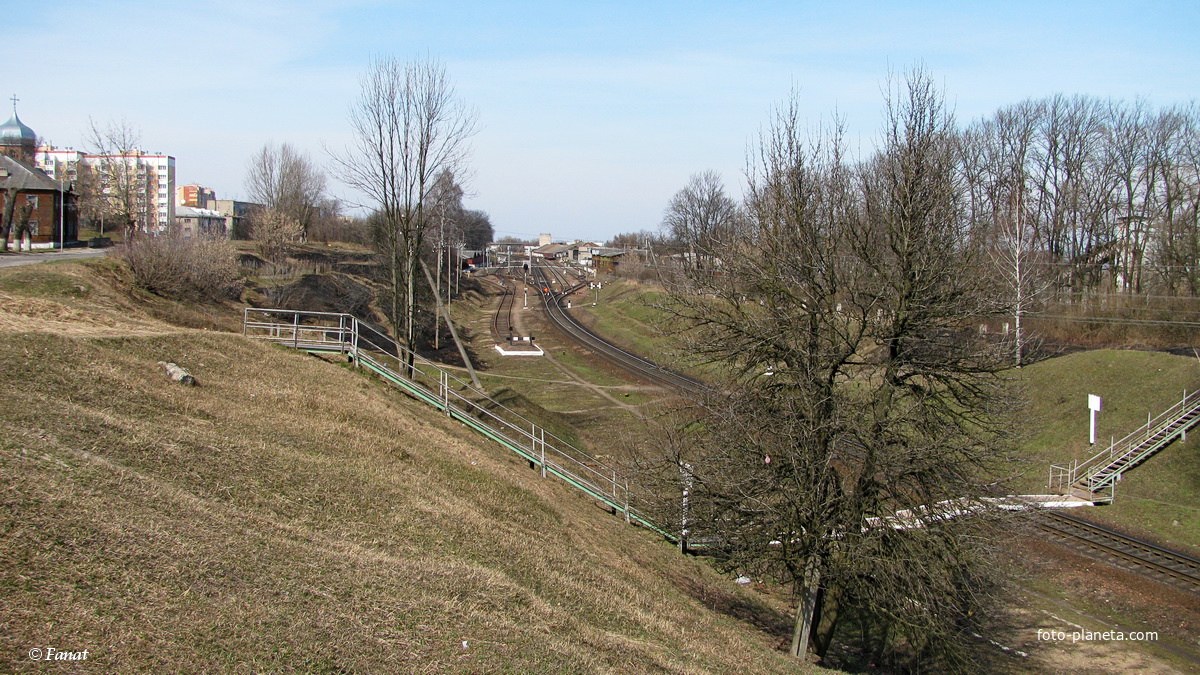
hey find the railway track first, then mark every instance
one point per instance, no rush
(556, 273)
(1177, 569)
(643, 368)
(502, 321)
(1174, 568)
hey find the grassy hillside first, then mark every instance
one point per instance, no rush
(625, 314)
(1160, 498)
(291, 514)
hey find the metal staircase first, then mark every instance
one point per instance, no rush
(370, 348)
(1096, 477)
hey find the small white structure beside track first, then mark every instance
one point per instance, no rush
(520, 346)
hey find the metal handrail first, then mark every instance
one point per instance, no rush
(1140, 435)
(455, 396)
(1084, 471)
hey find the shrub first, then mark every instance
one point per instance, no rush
(275, 233)
(184, 269)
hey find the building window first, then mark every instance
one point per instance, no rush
(32, 200)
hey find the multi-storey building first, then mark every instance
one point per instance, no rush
(199, 222)
(150, 178)
(195, 196)
(237, 216)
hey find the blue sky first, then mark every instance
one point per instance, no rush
(591, 114)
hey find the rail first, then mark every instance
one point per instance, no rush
(1101, 471)
(627, 360)
(1173, 567)
(427, 381)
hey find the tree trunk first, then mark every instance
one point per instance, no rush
(10, 202)
(410, 309)
(827, 612)
(807, 606)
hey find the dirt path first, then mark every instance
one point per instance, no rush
(518, 314)
(597, 389)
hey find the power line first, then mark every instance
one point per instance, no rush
(1115, 320)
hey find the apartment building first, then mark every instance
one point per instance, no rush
(150, 175)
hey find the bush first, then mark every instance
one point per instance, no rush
(275, 233)
(184, 269)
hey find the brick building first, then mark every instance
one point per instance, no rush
(43, 211)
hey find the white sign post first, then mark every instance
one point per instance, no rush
(1094, 404)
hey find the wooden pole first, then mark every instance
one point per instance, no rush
(445, 312)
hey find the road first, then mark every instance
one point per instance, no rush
(17, 259)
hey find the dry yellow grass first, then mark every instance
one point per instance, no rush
(290, 514)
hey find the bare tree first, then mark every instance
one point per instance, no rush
(6, 217)
(14, 187)
(275, 232)
(330, 224)
(995, 156)
(286, 180)
(126, 189)
(855, 387)
(21, 226)
(1176, 246)
(409, 126)
(91, 200)
(701, 216)
(445, 206)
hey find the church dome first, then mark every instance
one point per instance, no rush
(14, 132)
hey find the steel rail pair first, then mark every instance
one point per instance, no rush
(1176, 568)
(637, 365)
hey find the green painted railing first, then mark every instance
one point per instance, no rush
(429, 382)
(1101, 471)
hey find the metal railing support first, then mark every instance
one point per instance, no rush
(373, 350)
(444, 383)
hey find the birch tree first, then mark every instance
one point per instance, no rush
(409, 126)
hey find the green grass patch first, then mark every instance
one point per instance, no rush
(628, 315)
(590, 369)
(45, 281)
(1160, 498)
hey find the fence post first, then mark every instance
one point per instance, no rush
(685, 471)
(296, 330)
(627, 517)
(444, 380)
(354, 337)
(245, 321)
(543, 444)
